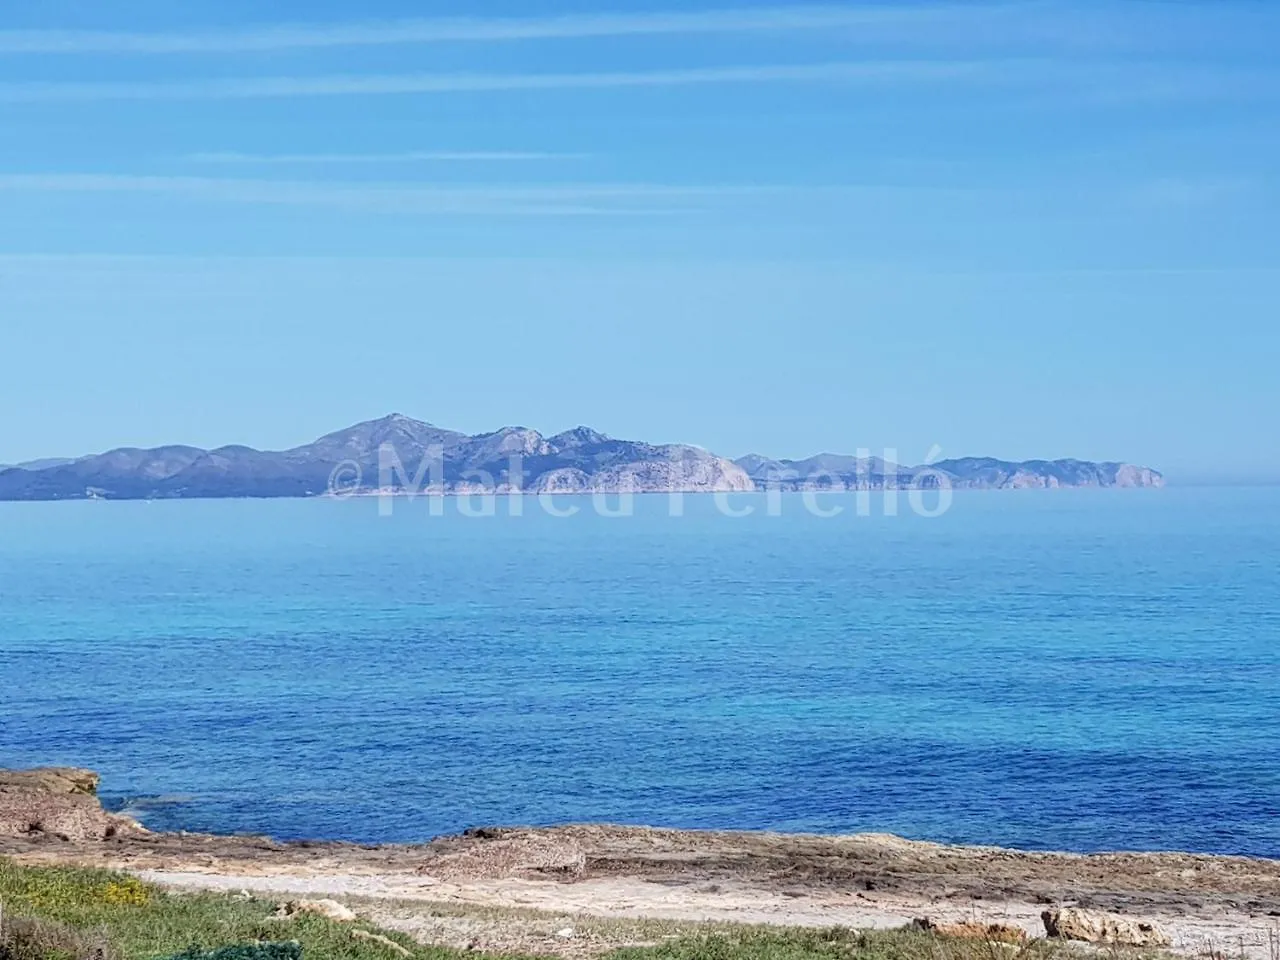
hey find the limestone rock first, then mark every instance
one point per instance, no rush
(54, 779)
(972, 930)
(330, 909)
(59, 803)
(1094, 926)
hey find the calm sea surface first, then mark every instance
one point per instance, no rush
(1064, 669)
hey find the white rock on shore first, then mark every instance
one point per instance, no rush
(330, 909)
(1093, 926)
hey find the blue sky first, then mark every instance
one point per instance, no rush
(1024, 229)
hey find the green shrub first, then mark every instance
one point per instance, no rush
(31, 938)
(286, 950)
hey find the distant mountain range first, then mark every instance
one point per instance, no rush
(576, 461)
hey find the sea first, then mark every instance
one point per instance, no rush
(1068, 669)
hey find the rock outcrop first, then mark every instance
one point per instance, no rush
(508, 851)
(1094, 926)
(974, 930)
(329, 909)
(57, 803)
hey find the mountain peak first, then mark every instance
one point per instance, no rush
(579, 436)
(361, 439)
(395, 420)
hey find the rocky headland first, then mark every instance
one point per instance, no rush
(59, 804)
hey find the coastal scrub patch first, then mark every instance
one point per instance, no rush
(84, 914)
(58, 889)
(30, 938)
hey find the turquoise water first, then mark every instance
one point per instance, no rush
(1061, 669)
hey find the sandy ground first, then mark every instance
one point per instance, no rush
(525, 888)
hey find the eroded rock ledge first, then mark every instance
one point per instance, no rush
(59, 803)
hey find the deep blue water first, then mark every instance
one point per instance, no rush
(1065, 669)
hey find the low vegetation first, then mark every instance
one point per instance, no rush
(60, 913)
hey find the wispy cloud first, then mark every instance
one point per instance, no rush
(624, 199)
(412, 156)
(863, 72)
(1099, 82)
(1186, 193)
(55, 265)
(489, 29)
(401, 198)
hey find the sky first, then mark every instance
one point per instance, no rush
(1018, 229)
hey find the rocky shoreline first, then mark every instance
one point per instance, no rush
(869, 880)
